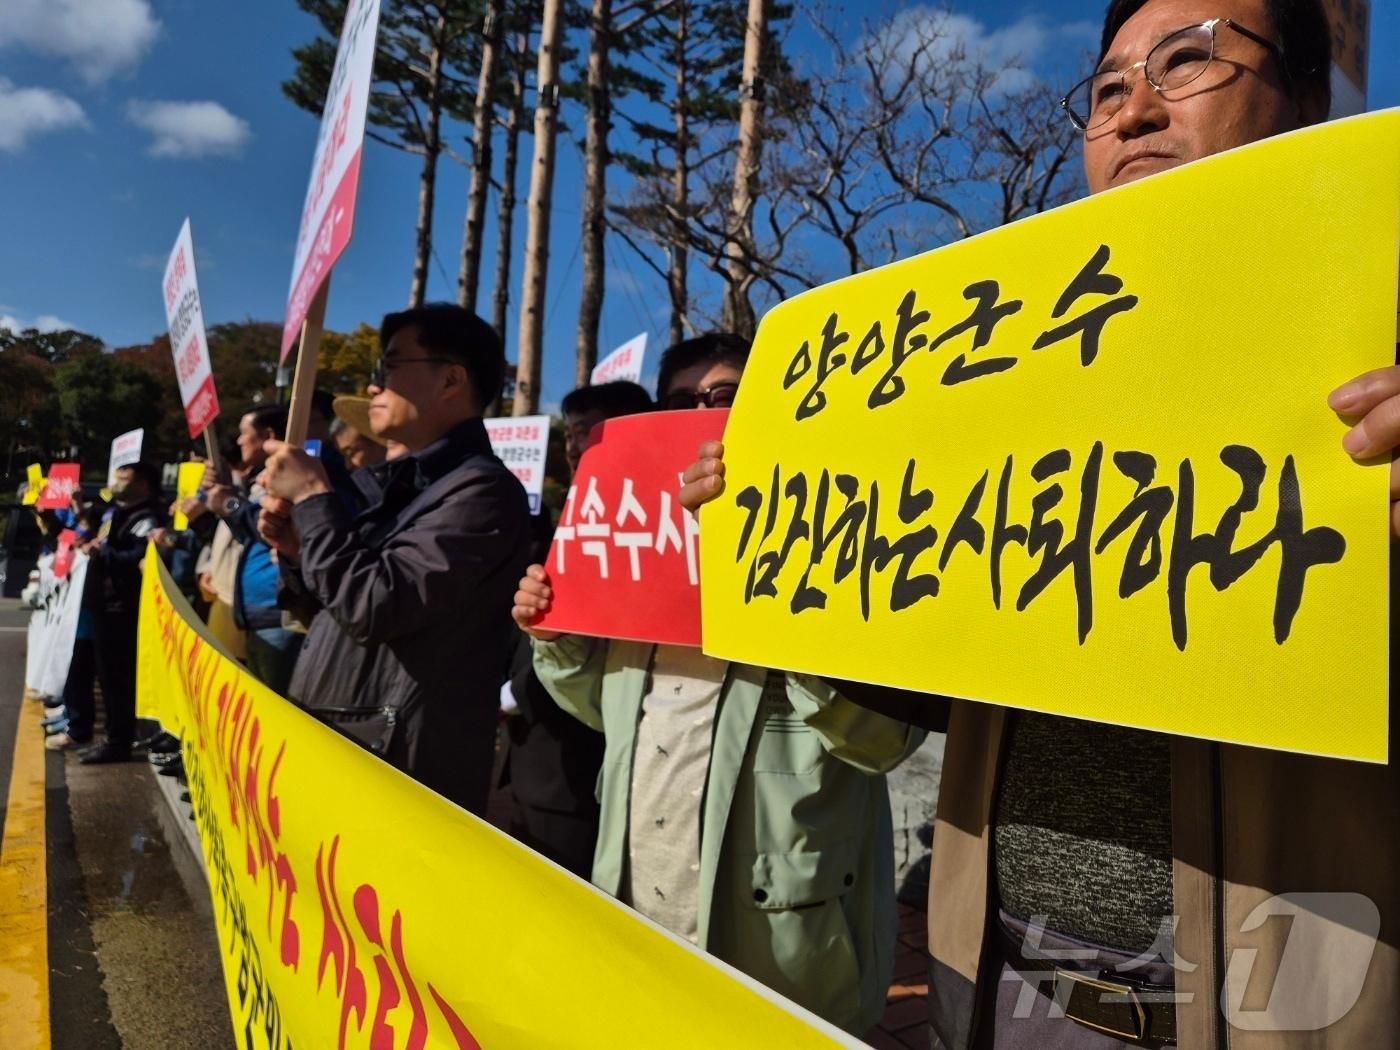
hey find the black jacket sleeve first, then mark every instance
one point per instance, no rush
(244, 523)
(380, 593)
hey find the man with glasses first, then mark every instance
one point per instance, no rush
(743, 809)
(413, 594)
(1093, 886)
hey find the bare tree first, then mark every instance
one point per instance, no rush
(833, 163)
(891, 140)
(906, 140)
(979, 147)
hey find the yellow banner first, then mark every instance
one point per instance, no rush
(356, 908)
(1084, 464)
(186, 485)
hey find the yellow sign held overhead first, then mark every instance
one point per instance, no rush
(187, 485)
(1084, 464)
(35, 485)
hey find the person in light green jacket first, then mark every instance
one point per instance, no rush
(743, 809)
(795, 852)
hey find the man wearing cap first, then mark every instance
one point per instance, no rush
(414, 592)
(350, 432)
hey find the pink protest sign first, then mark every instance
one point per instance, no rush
(184, 315)
(328, 214)
(624, 562)
(63, 557)
(60, 486)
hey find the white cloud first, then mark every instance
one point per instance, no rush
(156, 261)
(948, 39)
(98, 38)
(189, 130)
(26, 112)
(44, 322)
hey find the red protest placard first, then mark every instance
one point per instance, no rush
(61, 485)
(624, 561)
(63, 557)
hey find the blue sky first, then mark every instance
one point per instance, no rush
(120, 117)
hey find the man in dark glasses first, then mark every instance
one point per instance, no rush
(414, 592)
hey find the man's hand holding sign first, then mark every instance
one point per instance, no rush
(1372, 403)
(624, 561)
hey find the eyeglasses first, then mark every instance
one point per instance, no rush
(380, 372)
(721, 395)
(1173, 63)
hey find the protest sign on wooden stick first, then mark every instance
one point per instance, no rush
(328, 213)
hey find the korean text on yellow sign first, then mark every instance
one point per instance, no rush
(1084, 464)
(356, 908)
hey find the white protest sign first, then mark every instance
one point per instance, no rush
(53, 625)
(520, 443)
(328, 213)
(184, 316)
(126, 449)
(623, 363)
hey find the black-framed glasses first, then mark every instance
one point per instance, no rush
(721, 395)
(379, 374)
(1174, 62)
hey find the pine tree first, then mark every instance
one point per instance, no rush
(423, 48)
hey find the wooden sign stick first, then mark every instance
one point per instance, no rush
(211, 450)
(304, 380)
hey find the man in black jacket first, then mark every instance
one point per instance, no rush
(415, 591)
(115, 597)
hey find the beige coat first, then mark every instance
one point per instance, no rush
(1247, 825)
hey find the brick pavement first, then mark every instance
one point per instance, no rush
(905, 1024)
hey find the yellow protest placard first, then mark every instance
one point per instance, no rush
(35, 485)
(1084, 464)
(186, 485)
(356, 908)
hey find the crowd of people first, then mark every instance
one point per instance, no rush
(745, 808)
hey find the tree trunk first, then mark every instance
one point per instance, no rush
(738, 310)
(427, 180)
(595, 174)
(676, 275)
(531, 342)
(505, 215)
(483, 121)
